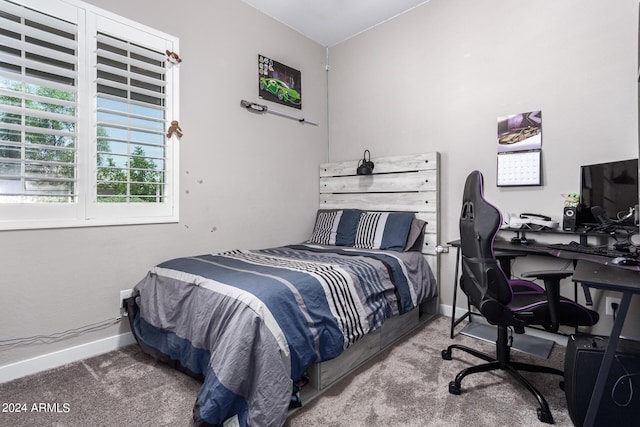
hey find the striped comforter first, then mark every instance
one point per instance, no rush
(250, 321)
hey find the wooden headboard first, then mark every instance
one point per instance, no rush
(409, 183)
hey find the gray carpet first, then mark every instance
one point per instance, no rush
(405, 386)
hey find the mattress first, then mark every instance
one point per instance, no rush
(249, 322)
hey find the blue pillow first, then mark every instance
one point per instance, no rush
(335, 227)
(383, 230)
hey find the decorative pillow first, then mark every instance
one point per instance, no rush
(415, 239)
(335, 227)
(383, 230)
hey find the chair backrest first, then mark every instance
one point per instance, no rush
(482, 278)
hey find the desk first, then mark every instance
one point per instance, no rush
(505, 251)
(582, 233)
(610, 278)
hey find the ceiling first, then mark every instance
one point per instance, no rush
(329, 22)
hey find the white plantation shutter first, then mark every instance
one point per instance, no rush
(131, 121)
(85, 100)
(38, 104)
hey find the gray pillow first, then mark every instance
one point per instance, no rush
(415, 239)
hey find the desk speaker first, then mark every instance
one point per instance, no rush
(569, 219)
(621, 399)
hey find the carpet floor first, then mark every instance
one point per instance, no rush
(407, 385)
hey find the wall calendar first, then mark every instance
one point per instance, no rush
(519, 168)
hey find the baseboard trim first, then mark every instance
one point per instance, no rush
(62, 357)
(446, 310)
(73, 354)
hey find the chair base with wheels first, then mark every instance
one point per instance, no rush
(503, 362)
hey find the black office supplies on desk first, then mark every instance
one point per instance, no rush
(593, 250)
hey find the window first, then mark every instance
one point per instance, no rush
(85, 98)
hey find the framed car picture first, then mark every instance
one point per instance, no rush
(279, 83)
(520, 132)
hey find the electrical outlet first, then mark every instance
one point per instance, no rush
(609, 308)
(124, 295)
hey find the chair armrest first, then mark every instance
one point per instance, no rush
(551, 280)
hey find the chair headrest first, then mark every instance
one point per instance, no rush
(478, 215)
(479, 223)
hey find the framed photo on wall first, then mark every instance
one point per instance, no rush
(279, 83)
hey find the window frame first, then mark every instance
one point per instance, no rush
(86, 211)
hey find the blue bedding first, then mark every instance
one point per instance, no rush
(249, 321)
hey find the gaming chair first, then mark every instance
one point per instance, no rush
(490, 292)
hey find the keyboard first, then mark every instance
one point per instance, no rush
(593, 250)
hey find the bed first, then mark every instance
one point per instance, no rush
(254, 325)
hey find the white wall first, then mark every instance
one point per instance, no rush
(252, 178)
(434, 79)
(437, 78)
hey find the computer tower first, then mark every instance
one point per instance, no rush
(620, 404)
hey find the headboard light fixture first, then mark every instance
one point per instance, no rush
(365, 167)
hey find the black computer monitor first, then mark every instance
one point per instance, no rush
(613, 186)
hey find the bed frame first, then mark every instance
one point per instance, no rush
(407, 183)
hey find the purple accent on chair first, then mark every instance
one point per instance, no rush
(532, 287)
(564, 302)
(583, 309)
(493, 255)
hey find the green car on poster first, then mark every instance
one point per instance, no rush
(280, 89)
